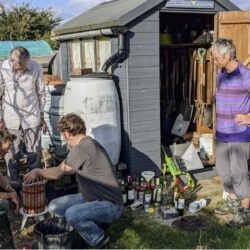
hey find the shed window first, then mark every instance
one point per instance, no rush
(89, 55)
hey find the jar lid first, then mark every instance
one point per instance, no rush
(151, 210)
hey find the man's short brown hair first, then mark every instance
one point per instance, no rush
(6, 136)
(72, 123)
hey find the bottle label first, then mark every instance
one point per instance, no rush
(147, 197)
(146, 207)
(136, 195)
(175, 195)
(176, 204)
(158, 196)
(131, 194)
(154, 194)
(124, 198)
(141, 196)
(181, 203)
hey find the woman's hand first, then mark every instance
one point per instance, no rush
(2, 126)
(16, 200)
(44, 126)
(242, 119)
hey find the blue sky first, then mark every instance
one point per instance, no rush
(68, 9)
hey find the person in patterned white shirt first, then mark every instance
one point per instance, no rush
(22, 100)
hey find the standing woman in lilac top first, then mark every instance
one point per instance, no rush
(232, 131)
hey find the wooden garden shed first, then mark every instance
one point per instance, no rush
(151, 39)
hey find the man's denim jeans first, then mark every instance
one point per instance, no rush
(85, 217)
(5, 204)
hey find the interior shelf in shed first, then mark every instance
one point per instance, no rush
(186, 45)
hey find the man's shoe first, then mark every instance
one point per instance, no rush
(230, 206)
(242, 218)
(103, 243)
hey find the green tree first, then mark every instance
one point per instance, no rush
(23, 22)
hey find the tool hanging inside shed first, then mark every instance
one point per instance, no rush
(208, 114)
(202, 55)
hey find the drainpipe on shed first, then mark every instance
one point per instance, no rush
(120, 55)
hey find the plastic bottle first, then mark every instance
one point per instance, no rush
(197, 205)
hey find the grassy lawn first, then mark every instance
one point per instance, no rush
(134, 231)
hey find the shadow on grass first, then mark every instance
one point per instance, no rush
(138, 232)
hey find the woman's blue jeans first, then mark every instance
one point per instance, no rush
(85, 217)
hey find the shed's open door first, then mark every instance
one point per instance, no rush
(235, 25)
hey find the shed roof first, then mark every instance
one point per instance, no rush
(228, 5)
(116, 13)
(106, 15)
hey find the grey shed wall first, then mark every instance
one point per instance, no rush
(139, 83)
(61, 64)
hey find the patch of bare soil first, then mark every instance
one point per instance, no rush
(25, 238)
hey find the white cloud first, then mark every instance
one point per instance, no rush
(8, 3)
(84, 4)
(76, 7)
(72, 8)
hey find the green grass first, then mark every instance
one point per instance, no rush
(133, 231)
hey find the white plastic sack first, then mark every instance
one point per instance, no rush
(189, 155)
(180, 126)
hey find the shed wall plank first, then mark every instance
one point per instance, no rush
(144, 49)
(147, 115)
(146, 38)
(143, 61)
(145, 136)
(139, 82)
(148, 26)
(145, 126)
(147, 147)
(145, 72)
(144, 94)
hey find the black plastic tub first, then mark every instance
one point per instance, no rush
(53, 234)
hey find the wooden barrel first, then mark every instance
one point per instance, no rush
(33, 197)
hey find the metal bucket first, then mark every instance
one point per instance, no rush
(54, 234)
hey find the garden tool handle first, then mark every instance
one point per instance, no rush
(195, 74)
(191, 71)
(201, 53)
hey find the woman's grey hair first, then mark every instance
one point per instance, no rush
(19, 57)
(224, 46)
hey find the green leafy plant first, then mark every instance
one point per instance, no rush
(23, 22)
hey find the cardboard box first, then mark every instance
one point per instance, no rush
(81, 71)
